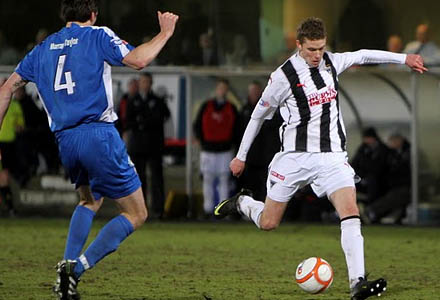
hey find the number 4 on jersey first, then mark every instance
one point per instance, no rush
(69, 85)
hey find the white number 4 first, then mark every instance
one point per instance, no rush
(69, 85)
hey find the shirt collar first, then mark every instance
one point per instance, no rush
(303, 61)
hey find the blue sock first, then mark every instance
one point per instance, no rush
(107, 241)
(79, 230)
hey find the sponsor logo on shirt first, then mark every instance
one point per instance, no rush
(328, 69)
(67, 43)
(322, 98)
(117, 41)
(277, 175)
(264, 103)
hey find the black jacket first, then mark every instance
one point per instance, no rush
(267, 142)
(399, 167)
(145, 119)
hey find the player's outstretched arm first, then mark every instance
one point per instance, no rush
(142, 55)
(415, 62)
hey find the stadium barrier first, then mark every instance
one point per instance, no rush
(388, 98)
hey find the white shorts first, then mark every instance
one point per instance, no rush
(215, 162)
(290, 171)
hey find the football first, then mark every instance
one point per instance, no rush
(314, 275)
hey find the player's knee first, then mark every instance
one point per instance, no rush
(140, 218)
(93, 205)
(268, 225)
(144, 215)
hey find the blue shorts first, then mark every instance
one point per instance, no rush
(94, 154)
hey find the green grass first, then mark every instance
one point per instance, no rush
(183, 261)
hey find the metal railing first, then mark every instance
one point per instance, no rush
(400, 86)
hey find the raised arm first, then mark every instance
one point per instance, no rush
(142, 55)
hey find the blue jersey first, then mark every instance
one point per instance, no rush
(71, 69)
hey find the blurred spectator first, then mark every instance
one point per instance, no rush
(5, 191)
(238, 56)
(8, 55)
(216, 128)
(394, 44)
(424, 46)
(206, 54)
(369, 162)
(13, 123)
(36, 144)
(398, 181)
(289, 49)
(195, 24)
(361, 26)
(39, 37)
(27, 142)
(132, 91)
(264, 147)
(145, 118)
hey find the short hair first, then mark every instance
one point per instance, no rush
(370, 132)
(78, 10)
(148, 75)
(396, 135)
(256, 82)
(222, 80)
(312, 29)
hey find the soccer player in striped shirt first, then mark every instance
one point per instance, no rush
(313, 138)
(71, 69)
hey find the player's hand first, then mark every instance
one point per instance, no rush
(167, 22)
(237, 167)
(415, 62)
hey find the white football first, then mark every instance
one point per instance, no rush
(314, 275)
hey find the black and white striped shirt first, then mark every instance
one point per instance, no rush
(309, 102)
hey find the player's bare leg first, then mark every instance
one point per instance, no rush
(133, 208)
(344, 201)
(272, 214)
(267, 216)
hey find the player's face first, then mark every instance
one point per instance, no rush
(312, 51)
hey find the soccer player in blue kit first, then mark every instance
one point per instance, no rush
(72, 72)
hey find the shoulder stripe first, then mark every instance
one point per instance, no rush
(121, 45)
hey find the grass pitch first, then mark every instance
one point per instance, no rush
(218, 261)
